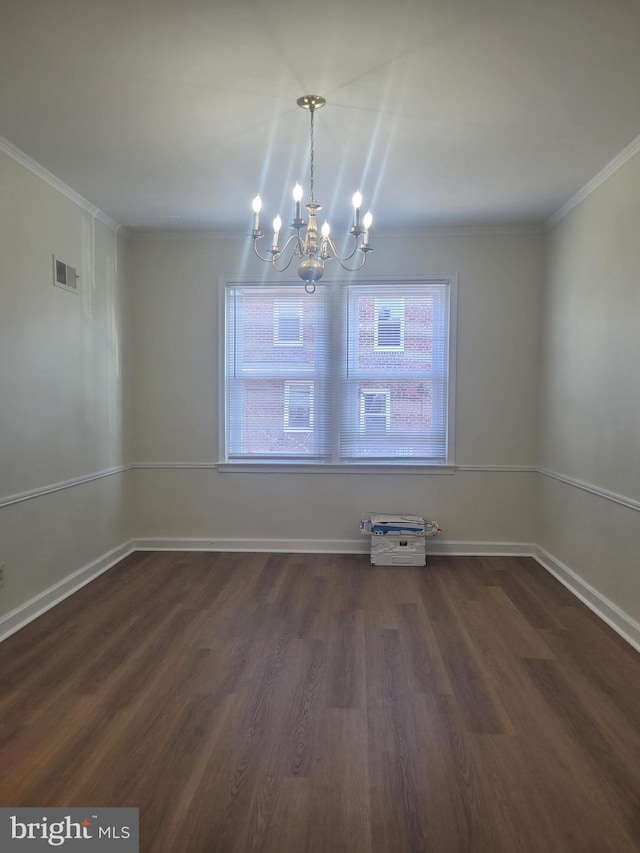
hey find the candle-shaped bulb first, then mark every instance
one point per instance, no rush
(325, 230)
(297, 197)
(357, 203)
(277, 225)
(367, 220)
(257, 207)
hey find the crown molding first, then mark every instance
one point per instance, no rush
(623, 157)
(161, 234)
(48, 177)
(103, 217)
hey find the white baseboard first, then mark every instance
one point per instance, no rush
(609, 612)
(479, 549)
(39, 604)
(293, 546)
(361, 545)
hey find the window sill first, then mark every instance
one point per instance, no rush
(319, 468)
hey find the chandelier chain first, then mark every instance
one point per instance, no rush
(311, 165)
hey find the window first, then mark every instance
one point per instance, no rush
(348, 375)
(389, 334)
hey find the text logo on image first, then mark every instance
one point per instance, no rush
(107, 830)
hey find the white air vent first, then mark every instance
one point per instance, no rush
(64, 275)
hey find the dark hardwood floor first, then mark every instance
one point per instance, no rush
(316, 704)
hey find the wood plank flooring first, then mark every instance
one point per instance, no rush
(315, 704)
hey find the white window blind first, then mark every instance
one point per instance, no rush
(278, 398)
(287, 322)
(394, 400)
(367, 380)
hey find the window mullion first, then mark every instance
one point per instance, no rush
(338, 358)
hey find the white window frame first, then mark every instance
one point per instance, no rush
(379, 303)
(287, 398)
(277, 307)
(399, 465)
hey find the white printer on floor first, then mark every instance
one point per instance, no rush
(398, 540)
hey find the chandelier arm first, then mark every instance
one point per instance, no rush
(295, 238)
(353, 269)
(257, 253)
(346, 257)
(296, 242)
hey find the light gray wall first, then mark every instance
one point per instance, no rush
(175, 358)
(590, 391)
(62, 361)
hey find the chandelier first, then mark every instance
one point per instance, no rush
(313, 250)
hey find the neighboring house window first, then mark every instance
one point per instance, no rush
(287, 323)
(375, 414)
(355, 373)
(298, 406)
(389, 328)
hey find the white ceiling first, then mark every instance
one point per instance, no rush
(174, 113)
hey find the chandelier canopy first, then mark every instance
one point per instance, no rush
(313, 250)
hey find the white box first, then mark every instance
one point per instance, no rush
(398, 550)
